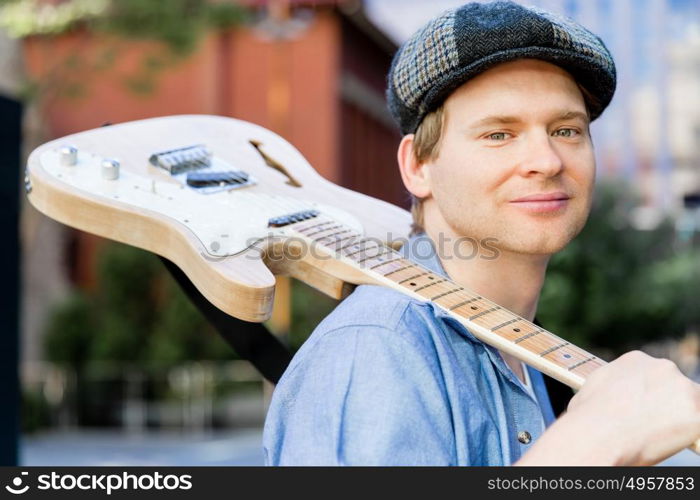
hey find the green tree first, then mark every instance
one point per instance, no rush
(137, 314)
(617, 287)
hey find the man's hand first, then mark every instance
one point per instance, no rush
(637, 410)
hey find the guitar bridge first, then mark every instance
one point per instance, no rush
(197, 168)
(177, 161)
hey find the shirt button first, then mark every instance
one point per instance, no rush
(524, 437)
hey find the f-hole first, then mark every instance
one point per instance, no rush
(271, 162)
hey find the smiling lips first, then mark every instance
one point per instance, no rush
(542, 203)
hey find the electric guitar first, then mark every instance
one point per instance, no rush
(233, 204)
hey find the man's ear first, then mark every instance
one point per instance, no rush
(415, 176)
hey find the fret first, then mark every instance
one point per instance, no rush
(377, 253)
(542, 341)
(483, 313)
(552, 349)
(506, 323)
(336, 241)
(464, 303)
(429, 285)
(301, 229)
(388, 252)
(403, 268)
(399, 263)
(353, 243)
(580, 363)
(406, 273)
(356, 251)
(565, 355)
(413, 277)
(572, 349)
(350, 244)
(518, 329)
(385, 263)
(331, 239)
(586, 369)
(322, 230)
(332, 235)
(528, 335)
(445, 294)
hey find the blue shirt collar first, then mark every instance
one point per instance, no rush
(420, 249)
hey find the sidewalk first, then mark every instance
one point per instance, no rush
(95, 448)
(239, 447)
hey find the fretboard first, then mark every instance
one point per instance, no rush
(485, 319)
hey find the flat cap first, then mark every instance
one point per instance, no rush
(463, 42)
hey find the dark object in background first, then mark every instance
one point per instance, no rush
(10, 142)
(691, 200)
(251, 341)
(559, 394)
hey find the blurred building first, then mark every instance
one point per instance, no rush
(313, 72)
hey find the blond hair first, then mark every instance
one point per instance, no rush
(426, 147)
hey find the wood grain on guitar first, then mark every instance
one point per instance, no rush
(199, 191)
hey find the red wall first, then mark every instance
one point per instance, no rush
(290, 87)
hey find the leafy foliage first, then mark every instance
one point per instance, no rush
(309, 307)
(617, 287)
(138, 314)
(177, 23)
(176, 27)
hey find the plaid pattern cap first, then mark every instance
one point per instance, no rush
(461, 43)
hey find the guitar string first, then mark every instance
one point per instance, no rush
(543, 341)
(500, 314)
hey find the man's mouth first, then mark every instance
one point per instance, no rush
(542, 202)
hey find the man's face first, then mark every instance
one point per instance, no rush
(518, 130)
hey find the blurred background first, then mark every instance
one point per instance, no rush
(105, 359)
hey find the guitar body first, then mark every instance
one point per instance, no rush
(221, 239)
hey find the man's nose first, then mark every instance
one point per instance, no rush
(541, 157)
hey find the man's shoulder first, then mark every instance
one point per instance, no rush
(371, 306)
(377, 318)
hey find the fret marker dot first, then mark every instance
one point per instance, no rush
(516, 329)
(412, 284)
(567, 356)
(475, 308)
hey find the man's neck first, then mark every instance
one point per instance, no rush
(511, 280)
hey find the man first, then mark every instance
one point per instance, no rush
(494, 101)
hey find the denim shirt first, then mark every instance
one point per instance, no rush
(387, 379)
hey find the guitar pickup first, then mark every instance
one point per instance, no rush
(209, 179)
(285, 220)
(177, 161)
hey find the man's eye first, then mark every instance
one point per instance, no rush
(566, 132)
(497, 136)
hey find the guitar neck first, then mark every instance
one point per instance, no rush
(486, 320)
